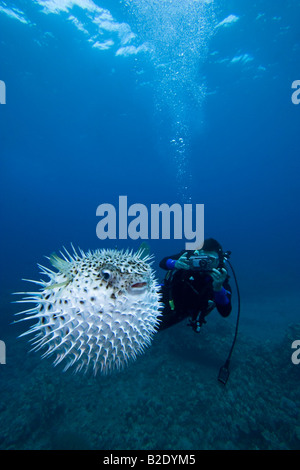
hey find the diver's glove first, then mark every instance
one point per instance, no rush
(182, 262)
(218, 277)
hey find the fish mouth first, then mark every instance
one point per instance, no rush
(138, 287)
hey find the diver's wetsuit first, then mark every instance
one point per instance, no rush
(190, 292)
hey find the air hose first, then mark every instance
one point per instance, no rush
(224, 370)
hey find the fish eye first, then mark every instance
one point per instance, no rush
(106, 274)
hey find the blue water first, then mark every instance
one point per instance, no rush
(164, 102)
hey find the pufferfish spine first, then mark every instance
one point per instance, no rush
(98, 311)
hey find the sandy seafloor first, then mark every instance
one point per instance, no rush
(169, 399)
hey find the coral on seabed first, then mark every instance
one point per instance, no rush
(169, 399)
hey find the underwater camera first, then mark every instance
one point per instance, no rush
(203, 262)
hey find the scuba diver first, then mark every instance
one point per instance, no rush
(195, 284)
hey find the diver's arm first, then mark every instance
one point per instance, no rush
(168, 262)
(222, 299)
(224, 310)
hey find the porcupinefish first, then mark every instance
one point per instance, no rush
(98, 311)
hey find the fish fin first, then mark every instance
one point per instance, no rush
(144, 250)
(58, 263)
